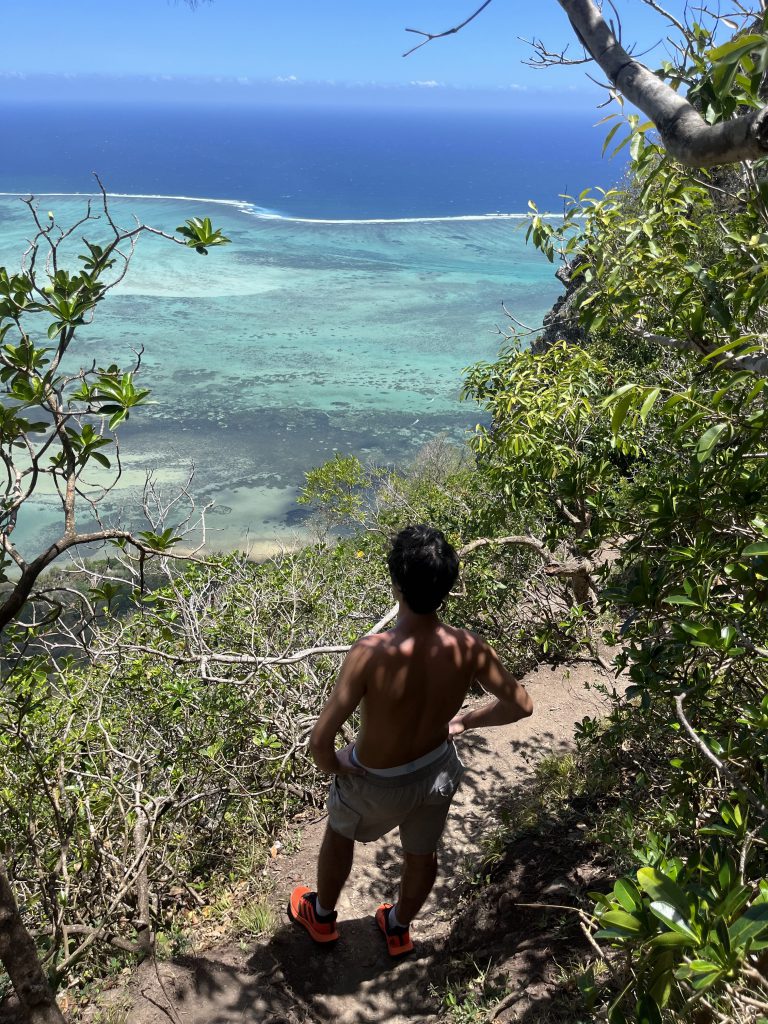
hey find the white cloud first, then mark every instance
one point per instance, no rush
(285, 78)
(431, 84)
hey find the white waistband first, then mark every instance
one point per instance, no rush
(404, 769)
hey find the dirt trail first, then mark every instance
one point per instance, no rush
(288, 980)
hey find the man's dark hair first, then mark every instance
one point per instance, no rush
(424, 566)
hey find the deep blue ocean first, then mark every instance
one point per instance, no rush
(371, 253)
(310, 163)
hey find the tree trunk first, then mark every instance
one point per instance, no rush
(19, 958)
(143, 924)
(684, 132)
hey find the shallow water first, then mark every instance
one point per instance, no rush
(299, 339)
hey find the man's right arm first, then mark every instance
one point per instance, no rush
(512, 699)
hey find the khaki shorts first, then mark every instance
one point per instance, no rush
(366, 807)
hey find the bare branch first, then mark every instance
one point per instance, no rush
(520, 540)
(754, 362)
(22, 589)
(546, 58)
(665, 14)
(577, 570)
(711, 756)
(429, 36)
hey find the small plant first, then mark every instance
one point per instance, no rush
(472, 1000)
(171, 943)
(559, 777)
(115, 1013)
(256, 919)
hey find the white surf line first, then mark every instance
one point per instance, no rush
(406, 220)
(242, 204)
(263, 213)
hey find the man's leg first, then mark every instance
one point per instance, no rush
(333, 867)
(416, 881)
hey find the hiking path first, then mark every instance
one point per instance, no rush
(286, 979)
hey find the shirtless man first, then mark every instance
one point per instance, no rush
(403, 770)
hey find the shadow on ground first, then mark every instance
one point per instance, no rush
(518, 934)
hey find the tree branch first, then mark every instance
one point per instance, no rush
(754, 362)
(22, 589)
(429, 36)
(519, 540)
(685, 134)
(573, 569)
(19, 957)
(711, 756)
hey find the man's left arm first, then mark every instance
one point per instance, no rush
(345, 696)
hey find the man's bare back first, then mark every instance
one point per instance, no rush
(409, 684)
(416, 678)
(415, 683)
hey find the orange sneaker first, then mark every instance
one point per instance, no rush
(398, 939)
(301, 910)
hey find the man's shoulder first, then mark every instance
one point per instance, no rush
(465, 637)
(369, 644)
(462, 642)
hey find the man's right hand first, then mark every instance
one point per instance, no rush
(456, 726)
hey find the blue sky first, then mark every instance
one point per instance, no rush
(246, 49)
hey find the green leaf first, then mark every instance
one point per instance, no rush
(648, 403)
(759, 548)
(708, 440)
(752, 923)
(660, 980)
(620, 919)
(672, 917)
(647, 1011)
(732, 901)
(734, 49)
(661, 887)
(682, 599)
(610, 135)
(620, 412)
(665, 939)
(700, 973)
(627, 894)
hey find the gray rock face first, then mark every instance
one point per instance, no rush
(562, 321)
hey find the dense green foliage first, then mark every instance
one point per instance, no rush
(682, 257)
(650, 442)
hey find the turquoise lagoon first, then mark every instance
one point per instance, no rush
(300, 339)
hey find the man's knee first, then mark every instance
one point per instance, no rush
(421, 861)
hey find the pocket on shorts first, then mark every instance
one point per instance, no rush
(341, 817)
(445, 783)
